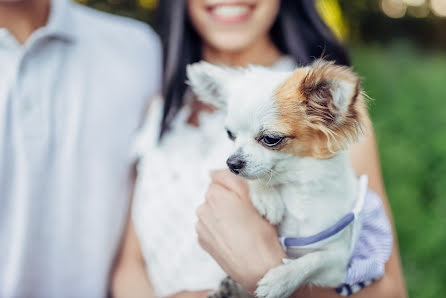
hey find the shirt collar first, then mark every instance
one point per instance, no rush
(60, 23)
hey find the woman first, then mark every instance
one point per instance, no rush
(183, 139)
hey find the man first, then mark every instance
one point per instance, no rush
(73, 86)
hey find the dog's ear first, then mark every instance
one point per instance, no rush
(329, 91)
(207, 82)
(334, 104)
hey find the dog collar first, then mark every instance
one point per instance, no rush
(339, 226)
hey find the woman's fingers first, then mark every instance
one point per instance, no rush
(216, 191)
(231, 182)
(207, 218)
(204, 235)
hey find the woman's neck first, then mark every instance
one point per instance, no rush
(262, 52)
(22, 18)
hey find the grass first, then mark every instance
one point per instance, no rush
(409, 114)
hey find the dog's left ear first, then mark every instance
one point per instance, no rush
(330, 90)
(334, 103)
(207, 82)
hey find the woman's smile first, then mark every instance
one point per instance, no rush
(230, 13)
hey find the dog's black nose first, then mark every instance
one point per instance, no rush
(235, 164)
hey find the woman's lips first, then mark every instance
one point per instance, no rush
(231, 14)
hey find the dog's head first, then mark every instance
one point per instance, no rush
(314, 111)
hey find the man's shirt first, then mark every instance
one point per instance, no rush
(71, 99)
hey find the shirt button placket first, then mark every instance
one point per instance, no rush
(24, 99)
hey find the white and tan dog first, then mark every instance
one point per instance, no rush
(291, 131)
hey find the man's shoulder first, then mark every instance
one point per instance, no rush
(117, 49)
(119, 44)
(116, 31)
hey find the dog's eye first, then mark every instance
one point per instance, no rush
(230, 135)
(271, 141)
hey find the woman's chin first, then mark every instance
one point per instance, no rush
(229, 42)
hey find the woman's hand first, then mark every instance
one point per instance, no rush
(231, 230)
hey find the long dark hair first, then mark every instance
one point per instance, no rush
(298, 32)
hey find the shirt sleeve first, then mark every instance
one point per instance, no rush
(372, 249)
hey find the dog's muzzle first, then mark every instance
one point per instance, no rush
(235, 163)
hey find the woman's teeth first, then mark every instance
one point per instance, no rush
(231, 10)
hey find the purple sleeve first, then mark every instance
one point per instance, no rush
(372, 249)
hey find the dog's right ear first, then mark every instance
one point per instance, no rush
(207, 82)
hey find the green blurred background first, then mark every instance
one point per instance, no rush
(398, 47)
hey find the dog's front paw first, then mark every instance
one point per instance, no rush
(270, 205)
(277, 283)
(259, 203)
(274, 215)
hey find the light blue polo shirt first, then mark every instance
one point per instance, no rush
(71, 99)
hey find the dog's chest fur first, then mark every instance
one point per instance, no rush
(316, 194)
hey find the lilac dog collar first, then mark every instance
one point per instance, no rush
(327, 233)
(340, 225)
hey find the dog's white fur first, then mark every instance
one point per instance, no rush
(301, 195)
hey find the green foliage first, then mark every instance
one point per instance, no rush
(409, 115)
(127, 8)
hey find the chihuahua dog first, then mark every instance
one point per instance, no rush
(291, 131)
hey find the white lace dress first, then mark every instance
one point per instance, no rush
(172, 180)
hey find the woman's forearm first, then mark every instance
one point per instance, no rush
(129, 277)
(386, 287)
(391, 285)
(365, 160)
(130, 280)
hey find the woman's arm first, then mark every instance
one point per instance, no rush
(365, 160)
(129, 277)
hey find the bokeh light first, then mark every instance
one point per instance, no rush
(415, 8)
(438, 7)
(148, 4)
(394, 8)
